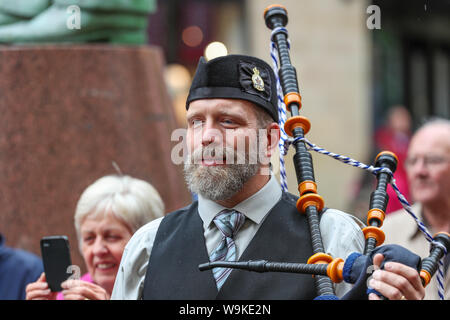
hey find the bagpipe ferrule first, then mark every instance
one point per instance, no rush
(425, 276)
(276, 12)
(319, 258)
(375, 214)
(292, 97)
(375, 233)
(307, 186)
(310, 199)
(388, 153)
(335, 270)
(294, 122)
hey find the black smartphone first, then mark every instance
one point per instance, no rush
(56, 258)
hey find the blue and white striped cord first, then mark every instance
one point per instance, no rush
(402, 199)
(281, 111)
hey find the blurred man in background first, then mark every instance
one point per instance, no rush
(428, 168)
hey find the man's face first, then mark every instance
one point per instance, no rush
(428, 164)
(222, 141)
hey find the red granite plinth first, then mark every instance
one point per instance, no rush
(68, 112)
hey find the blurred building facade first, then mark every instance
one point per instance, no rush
(411, 59)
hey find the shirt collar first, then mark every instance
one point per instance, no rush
(255, 207)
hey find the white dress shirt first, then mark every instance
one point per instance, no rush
(341, 235)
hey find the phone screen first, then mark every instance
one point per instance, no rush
(56, 258)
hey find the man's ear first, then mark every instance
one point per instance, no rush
(273, 136)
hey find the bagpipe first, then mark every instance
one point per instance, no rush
(327, 270)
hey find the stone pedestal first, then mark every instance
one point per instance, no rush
(67, 113)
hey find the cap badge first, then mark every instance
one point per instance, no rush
(258, 82)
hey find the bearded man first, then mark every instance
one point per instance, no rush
(241, 212)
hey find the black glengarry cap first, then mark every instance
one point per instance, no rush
(236, 77)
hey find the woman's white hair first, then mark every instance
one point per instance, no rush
(131, 200)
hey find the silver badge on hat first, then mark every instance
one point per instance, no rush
(258, 82)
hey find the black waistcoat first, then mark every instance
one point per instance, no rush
(179, 248)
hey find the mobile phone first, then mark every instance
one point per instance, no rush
(56, 258)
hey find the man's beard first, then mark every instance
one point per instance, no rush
(218, 182)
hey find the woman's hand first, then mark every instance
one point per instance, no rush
(82, 290)
(39, 290)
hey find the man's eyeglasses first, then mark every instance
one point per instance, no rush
(428, 160)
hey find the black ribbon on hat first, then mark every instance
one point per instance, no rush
(248, 78)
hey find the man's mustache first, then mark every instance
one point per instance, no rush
(221, 155)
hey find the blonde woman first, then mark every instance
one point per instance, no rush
(108, 212)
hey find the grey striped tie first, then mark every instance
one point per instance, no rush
(228, 222)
